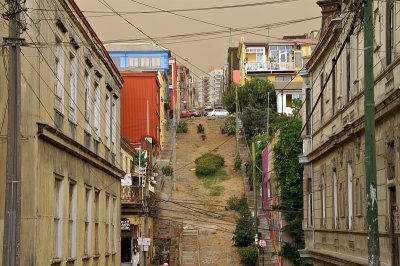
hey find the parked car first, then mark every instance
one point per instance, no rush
(195, 112)
(208, 108)
(186, 114)
(218, 112)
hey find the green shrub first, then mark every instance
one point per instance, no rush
(167, 170)
(182, 127)
(236, 204)
(208, 164)
(238, 163)
(249, 255)
(243, 235)
(230, 126)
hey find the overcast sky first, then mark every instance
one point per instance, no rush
(203, 51)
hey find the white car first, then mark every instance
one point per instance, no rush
(218, 112)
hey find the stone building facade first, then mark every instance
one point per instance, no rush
(335, 210)
(70, 141)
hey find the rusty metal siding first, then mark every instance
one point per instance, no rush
(137, 89)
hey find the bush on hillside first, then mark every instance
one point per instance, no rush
(208, 164)
(237, 204)
(249, 255)
(167, 170)
(243, 235)
(230, 126)
(182, 127)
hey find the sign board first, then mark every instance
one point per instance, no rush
(125, 225)
(262, 243)
(144, 241)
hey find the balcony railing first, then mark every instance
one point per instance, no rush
(130, 194)
(269, 66)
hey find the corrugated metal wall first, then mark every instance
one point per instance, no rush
(137, 90)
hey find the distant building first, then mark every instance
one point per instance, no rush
(145, 58)
(216, 85)
(277, 61)
(70, 146)
(204, 86)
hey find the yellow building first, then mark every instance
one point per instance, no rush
(278, 61)
(137, 211)
(162, 80)
(68, 203)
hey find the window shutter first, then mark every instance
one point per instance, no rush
(73, 87)
(108, 128)
(59, 78)
(97, 112)
(88, 106)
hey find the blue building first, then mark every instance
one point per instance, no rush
(141, 57)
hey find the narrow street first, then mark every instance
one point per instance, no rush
(200, 206)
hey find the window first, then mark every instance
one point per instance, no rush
(97, 118)
(88, 217)
(342, 200)
(335, 199)
(108, 120)
(323, 201)
(114, 223)
(359, 197)
(72, 198)
(310, 198)
(350, 195)
(297, 60)
(312, 47)
(308, 110)
(57, 218)
(348, 72)
(88, 104)
(108, 232)
(133, 61)
(144, 61)
(155, 61)
(390, 169)
(333, 86)
(289, 100)
(322, 96)
(280, 53)
(59, 76)
(73, 84)
(283, 78)
(114, 127)
(390, 38)
(96, 222)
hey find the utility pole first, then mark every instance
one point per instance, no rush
(268, 115)
(253, 151)
(174, 125)
(237, 124)
(370, 151)
(12, 217)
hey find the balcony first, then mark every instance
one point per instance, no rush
(131, 195)
(270, 67)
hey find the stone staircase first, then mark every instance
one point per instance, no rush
(189, 248)
(265, 255)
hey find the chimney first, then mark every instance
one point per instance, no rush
(330, 9)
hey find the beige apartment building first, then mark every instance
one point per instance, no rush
(70, 143)
(335, 208)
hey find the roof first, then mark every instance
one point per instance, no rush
(149, 46)
(286, 85)
(95, 37)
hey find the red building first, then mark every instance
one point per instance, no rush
(140, 107)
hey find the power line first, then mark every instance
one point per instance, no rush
(106, 13)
